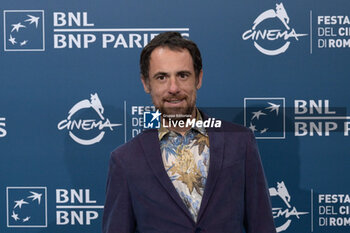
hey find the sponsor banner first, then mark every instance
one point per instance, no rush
(76, 30)
(54, 55)
(25, 30)
(272, 31)
(76, 207)
(266, 117)
(86, 123)
(27, 207)
(318, 118)
(332, 210)
(333, 31)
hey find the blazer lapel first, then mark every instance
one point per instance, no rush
(216, 150)
(151, 147)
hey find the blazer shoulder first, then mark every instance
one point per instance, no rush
(233, 127)
(131, 148)
(229, 127)
(238, 133)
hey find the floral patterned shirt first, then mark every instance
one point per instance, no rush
(186, 160)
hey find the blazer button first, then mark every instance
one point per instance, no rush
(198, 230)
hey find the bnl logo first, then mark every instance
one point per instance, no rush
(151, 120)
(24, 30)
(265, 117)
(26, 206)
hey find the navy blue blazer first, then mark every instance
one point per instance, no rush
(140, 196)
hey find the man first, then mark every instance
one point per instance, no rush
(184, 179)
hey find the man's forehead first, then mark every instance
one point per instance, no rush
(166, 50)
(163, 57)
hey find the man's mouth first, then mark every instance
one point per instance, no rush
(176, 101)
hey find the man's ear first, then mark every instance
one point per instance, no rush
(145, 83)
(199, 80)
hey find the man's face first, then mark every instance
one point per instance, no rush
(172, 81)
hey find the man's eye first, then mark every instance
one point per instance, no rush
(161, 77)
(183, 75)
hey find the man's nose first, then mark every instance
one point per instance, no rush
(173, 85)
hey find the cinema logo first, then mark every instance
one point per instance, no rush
(3, 131)
(76, 207)
(259, 34)
(314, 117)
(75, 30)
(87, 124)
(286, 213)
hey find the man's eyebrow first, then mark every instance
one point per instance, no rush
(184, 72)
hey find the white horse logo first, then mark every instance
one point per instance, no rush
(280, 13)
(95, 103)
(282, 192)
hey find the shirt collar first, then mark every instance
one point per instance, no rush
(162, 131)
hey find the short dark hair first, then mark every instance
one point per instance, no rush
(173, 41)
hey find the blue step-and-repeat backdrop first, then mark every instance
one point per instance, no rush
(70, 93)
